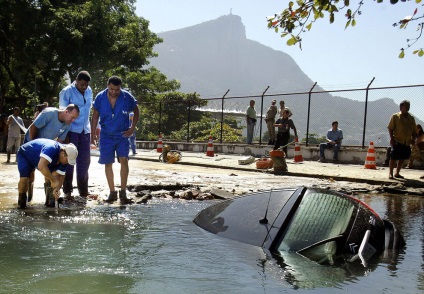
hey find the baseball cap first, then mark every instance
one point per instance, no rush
(71, 152)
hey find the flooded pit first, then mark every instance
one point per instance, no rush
(156, 247)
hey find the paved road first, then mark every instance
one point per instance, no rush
(340, 172)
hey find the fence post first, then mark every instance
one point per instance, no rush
(365, 114)
(262, 110)
(160, 116)
(309, 113)
(188, 120)
(222, 115)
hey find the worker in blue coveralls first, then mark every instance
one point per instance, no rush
(112, 107)
(54, 124)
(80, 94)
(50, 158)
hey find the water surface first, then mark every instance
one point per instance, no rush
(157, 248)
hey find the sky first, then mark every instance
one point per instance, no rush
(333, 57)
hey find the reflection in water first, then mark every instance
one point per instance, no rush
(303, 273)
(156, 248)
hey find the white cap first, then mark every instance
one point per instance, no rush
(71, 152)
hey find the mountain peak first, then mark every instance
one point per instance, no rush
(226, 28)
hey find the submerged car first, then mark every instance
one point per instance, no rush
(327, 227)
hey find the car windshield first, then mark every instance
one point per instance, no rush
(320, 219)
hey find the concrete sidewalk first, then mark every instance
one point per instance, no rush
(336, 171)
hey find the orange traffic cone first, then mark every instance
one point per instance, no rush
(370, 160)
(160, 144)
(297, 154)
(209, 150)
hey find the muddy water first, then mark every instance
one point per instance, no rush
(156, 248)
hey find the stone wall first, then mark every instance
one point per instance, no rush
(347, 154)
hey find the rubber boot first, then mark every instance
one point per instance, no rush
(50, 201)
(22, 200)
(8, 157)
(113, 196)
(48, 190)
(46, 185)
(123, 197)
(30, 191)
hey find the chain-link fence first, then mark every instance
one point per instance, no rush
(363, 114)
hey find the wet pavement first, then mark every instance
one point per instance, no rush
(309, 169)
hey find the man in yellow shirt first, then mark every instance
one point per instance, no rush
(402, 134)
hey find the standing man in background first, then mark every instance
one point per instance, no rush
(113, 107)
(402, 131)
(14, 122)
(250, 121)
(80, 94)
(282, 107)
(270, 120)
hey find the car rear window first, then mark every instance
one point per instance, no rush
(320, 216)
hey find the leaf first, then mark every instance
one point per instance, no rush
(417, 1)
(415, 11)
(346, 2)
(402, 54)
(347, 24)
(309, 26)
(421, 53)
(353, 22)
(331, 17)
(415, 51)
(291, 41)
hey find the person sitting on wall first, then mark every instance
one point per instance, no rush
(334, 141)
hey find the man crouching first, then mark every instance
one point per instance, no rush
(51, 159)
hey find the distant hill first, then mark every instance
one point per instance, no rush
(214, 56)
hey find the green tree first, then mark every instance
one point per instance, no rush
(298, 18)
(42, 41)
(201, 130)
(168, 113)
(314, 139)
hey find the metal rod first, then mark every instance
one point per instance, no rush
(365, 114)
(222, 115)
(309, 114)
(262, 110)
(188, 120)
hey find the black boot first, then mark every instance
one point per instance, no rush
(8, 157)
(22, 200)
(46, 185)
(48, 191)
(30, 191)
(50, 201)
(113, 196)
(123, 197)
